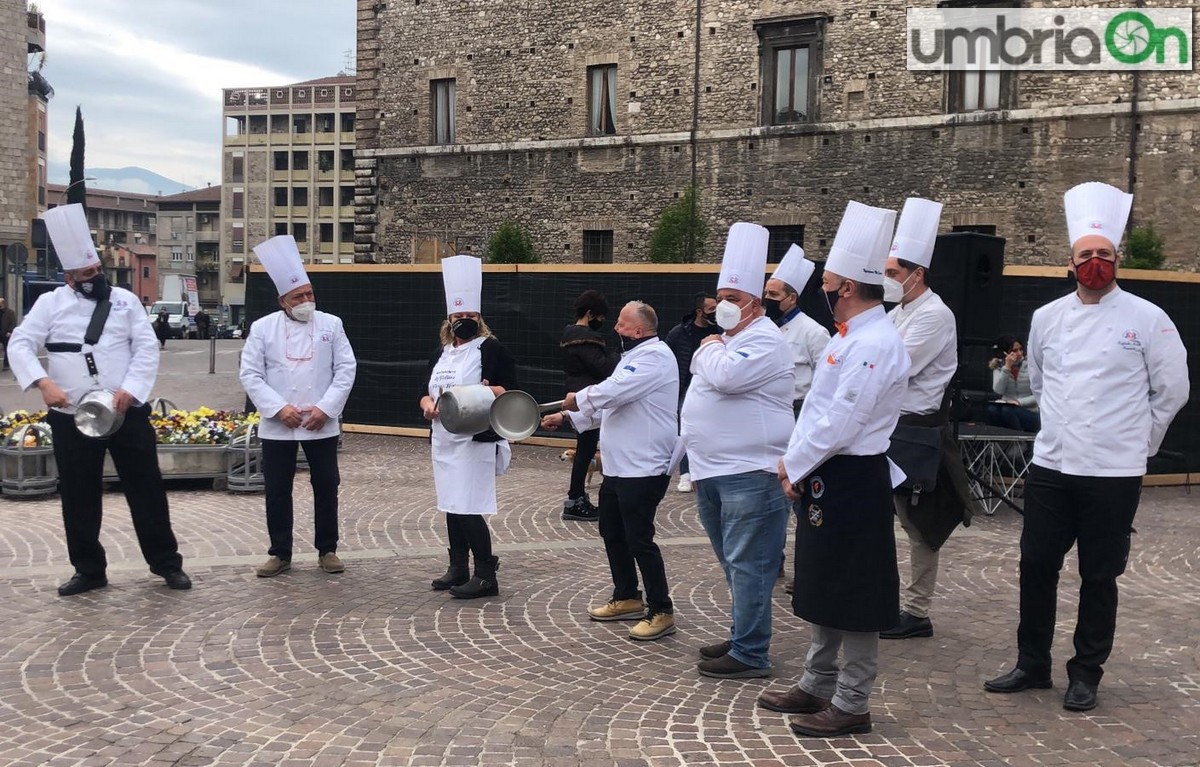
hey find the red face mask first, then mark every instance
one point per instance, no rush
(1096, 273)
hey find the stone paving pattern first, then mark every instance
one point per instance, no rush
(372, 668)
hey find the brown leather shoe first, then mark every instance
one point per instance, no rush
(793, 701)
(830, 722)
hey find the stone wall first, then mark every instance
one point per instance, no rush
(15, 190)
(522, 152)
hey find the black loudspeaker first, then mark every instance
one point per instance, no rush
(45, 256)
(967, 271)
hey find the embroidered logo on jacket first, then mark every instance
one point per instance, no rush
(1130, 341)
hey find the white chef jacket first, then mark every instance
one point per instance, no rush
(927, 326)
(126, 355)
(1108, 378)
(302, 364)
(853, 406)
(738, 410)
(635, 409)
(807, 339)
(464, 471)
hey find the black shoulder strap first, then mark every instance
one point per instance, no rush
(96, 326)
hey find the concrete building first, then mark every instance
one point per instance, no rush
(288, 168)
(17, 40)
(584, 121)
(189, 241)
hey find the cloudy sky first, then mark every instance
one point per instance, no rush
(148, 74)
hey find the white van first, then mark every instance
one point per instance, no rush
(180, 328)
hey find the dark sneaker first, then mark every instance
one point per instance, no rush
(581, 510)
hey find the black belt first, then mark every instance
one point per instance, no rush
(62, 347)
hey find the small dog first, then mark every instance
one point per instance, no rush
(593, 468)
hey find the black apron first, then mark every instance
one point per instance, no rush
(846, 574)
(940, 511)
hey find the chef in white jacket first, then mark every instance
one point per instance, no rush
(1109, 372)
(928, 328)
(836, 470)
(298, 367)
(736, 419)
(805, 336)
(635, 410)
(125, 356)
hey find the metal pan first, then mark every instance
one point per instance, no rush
(95, 415)
(466, 409)
(516, 414)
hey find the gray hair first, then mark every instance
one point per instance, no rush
(646, 314)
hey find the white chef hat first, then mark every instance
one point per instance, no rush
(744, 266)
(860, 248)
(68, 229)
(281, 258)
(462, 277)
(916, 233)
(795, 269)
(1097, 208)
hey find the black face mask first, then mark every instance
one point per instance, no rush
(773, 309)
(464, 329)
(831, 299)
(595, 324)
(96, 289)
(710, 318)
(628, 342)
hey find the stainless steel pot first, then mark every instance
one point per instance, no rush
(516, 414)
(95, 415)
(466, 409)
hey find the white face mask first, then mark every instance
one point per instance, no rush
(729, 315)
(893, 291)
(304, 312)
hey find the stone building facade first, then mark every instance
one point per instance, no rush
(15, 189)
(688, 89)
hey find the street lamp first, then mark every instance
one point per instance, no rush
(63, 194)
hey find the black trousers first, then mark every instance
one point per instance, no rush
(627, 508)
(1060, 511)
(586, 443)
(469, 532)
(279, 472)
(80, 462)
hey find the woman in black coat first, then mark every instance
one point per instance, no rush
(587, 360)
(162, 328)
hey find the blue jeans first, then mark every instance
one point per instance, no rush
(745, 516)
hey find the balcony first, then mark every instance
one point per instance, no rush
(326, 211)
(207, 266)
(325, 248)
(280, 212)
(208, 235)
(35, 31)
(346, 137)
(258, 139)
(300, 175)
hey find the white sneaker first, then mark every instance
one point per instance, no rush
(685, 483)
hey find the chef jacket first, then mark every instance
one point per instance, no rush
(126, 354)
(302, 364)
(853, 406)
(927, 326)
(738, 410)
(1108, 378)
(635, 409)
(807, 339)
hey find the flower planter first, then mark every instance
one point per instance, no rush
(28, 469)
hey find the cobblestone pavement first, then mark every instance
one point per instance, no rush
(371, 667)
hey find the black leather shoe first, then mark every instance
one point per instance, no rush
(1080, 696)
(909, 627)
(714, 651)
(1017, 681)
(80, 583)
(178, 580)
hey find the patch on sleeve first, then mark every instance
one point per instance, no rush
(630, 368)
(744, 355)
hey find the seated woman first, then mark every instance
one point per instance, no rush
(1017, 409)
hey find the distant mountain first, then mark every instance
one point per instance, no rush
(133, 179)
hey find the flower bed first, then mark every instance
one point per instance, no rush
(203, 426)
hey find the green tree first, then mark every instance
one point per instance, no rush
(681, 232)
(511, 244)
(1144, 248)
(77, 190)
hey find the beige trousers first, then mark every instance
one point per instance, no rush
(918, 594)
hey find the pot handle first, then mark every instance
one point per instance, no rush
(550, 407)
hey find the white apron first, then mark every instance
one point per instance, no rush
(464, 471)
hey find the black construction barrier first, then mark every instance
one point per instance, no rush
(392, 315)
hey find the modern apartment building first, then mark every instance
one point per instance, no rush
(189, 241)
(288, 168)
